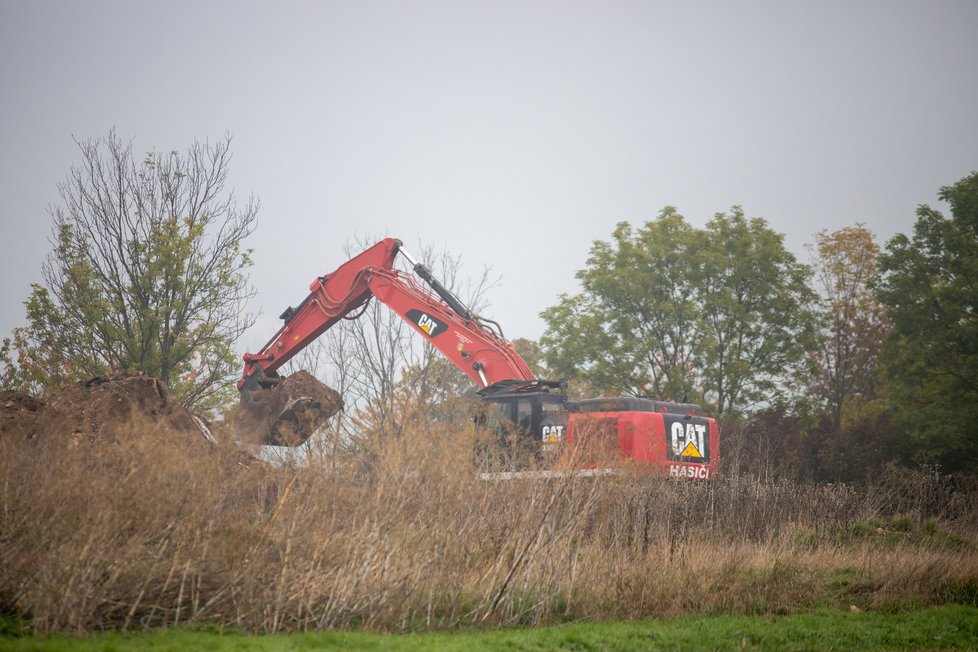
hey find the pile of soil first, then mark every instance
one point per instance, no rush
(103, 409)
(288, 413)
(18, 410)
(118, 407)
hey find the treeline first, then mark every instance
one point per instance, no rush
(865, 357)
(868, 356)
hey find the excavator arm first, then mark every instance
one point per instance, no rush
(475, 345)
(331, 298)
(482, 355)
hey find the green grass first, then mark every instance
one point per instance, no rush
(947, 627)
(901, 531)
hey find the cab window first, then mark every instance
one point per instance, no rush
(524, 412)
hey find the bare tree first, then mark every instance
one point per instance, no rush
(146, 273)
(370, 358)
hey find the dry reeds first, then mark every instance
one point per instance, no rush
(399, 532)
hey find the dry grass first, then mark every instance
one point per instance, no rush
(399, 533)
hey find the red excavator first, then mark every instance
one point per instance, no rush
(672, 439)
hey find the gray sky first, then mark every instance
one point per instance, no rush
(511, 133)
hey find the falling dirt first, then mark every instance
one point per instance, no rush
(288, 413)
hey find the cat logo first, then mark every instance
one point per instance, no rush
(552, 434)
(691, 451)
(430, 326)
(687, 438)
(426, 324)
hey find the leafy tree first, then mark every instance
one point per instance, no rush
(532, 353)
(680, 313)
(634, 328)
(753, 301)
(146, 273)
(930, 284)
(854, 321)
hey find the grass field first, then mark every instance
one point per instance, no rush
(398, 534)
(952, 627)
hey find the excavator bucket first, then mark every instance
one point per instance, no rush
(284, 411)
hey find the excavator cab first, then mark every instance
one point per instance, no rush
(532, 415)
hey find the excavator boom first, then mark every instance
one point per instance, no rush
(297, 409)
(331, 297)
(479, 353)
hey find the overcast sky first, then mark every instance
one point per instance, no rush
(513, 134)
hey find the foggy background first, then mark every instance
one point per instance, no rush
(512, 134)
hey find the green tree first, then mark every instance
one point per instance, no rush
(146, 273)
(754, 304)
(634, 328)
(532, 353)
(715, 314)
(930, 284)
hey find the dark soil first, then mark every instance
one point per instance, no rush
(18, 411)
(101, 409)
(287, 414)
(118, 407)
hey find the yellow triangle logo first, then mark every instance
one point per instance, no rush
(690, 451)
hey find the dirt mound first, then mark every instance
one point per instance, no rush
(106, 408)
(288, 413)
(18, 411)
(119, 407)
